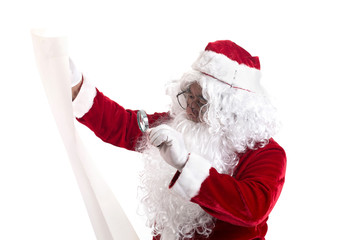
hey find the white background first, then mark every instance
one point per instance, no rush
(309, 51)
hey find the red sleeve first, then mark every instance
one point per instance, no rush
(114, 124)
(245, 199)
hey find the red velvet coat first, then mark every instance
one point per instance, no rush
(241, 203)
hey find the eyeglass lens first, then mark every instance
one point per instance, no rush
(182, 99)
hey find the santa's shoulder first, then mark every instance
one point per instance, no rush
(271, 150)
(272, 144)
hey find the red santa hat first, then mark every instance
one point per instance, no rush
(231, 64)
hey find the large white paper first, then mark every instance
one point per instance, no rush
(105, 213)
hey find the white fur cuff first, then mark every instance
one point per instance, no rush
(193, 174)
(85, 99)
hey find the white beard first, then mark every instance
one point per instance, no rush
(169, 214)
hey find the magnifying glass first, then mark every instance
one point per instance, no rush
(143, 121)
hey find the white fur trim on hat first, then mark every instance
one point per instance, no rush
(85, 99)
(231, 72)
(193, 174)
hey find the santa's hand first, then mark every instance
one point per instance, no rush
(75, 74)
(171, 145)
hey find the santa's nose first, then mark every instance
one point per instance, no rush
(193, 107)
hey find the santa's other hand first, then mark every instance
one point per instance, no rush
(171, 145)
(75, 74)
(75, 77)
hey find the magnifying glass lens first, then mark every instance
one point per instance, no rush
(142, 120)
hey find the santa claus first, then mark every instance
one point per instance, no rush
(212, 168)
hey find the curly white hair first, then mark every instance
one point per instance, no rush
(241, 119)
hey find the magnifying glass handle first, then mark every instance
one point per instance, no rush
(143, 122)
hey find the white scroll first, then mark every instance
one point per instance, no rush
(106, 215)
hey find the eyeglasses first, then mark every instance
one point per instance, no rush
(186, 98)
